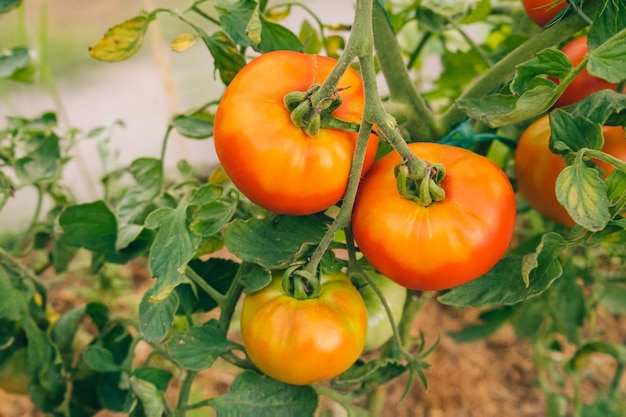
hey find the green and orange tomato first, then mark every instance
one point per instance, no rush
(303, 341)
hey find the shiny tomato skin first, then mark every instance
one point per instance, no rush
(584, 84)
(536, 167)
(543, 11)
(301, 342)
(270, 160)
(446, 244)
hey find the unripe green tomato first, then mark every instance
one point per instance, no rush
(14, 373)
(379, 328)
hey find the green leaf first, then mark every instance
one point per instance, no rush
(616, 191)
(7, 5)
(289, 237)
(198, 125)
(121, 41)
(13, 60)
(149, 384)
(211, 218)
(241, 22)
(113, 392)
(309, 38)
(515, 278)
(218, 273)
(100, 359)
(607, 60)
(370, 374)
(174, 245)
(228, 59)
(196, 348)
(530, 74)
(501, 110)
(157, 315)
(254, 278)
(583, 193)
(261, 396)
(572, 133)
(479, 13)
(610, 21)
(92, 226)
(604, 407)
(603, 107)
(614, 298)
(42, 164)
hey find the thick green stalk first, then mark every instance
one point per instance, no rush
(420, 121)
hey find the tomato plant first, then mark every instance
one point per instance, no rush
(303, 341)
(543, 11)
(537, 168)
(584, 83)
(381, 182)
(379, 328)
(447, 243)
(273, 162)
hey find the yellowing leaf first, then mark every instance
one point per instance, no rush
(121, 41)
(184, 42)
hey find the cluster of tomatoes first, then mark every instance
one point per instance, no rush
(447, 243)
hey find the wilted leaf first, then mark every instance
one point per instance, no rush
(121, 41)
(228, 60)
(184, 42)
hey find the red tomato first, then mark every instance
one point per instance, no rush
(305, 341)
(584, 84)
(543, 11)
(447, 243)
(536, 167)
(271, 161)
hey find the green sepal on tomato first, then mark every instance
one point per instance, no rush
(379, 328)
(537, 168)
(304, 341)
(447, 243)
(268, 158)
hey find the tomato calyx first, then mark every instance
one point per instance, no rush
(423, 184)
(311, 114)
(301, 284)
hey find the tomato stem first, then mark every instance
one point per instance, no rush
(420, 121)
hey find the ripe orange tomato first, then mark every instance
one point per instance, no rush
(584, 84)
(543, 11)
(536, 167)
(447, 243)
(304, 341)
(270, 160)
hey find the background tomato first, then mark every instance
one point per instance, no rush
(304, 341)
(448, 243)
(584, 84)
(379, 328)
(271, 161)
(536, 167)
(543, 11)
(14, 373)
